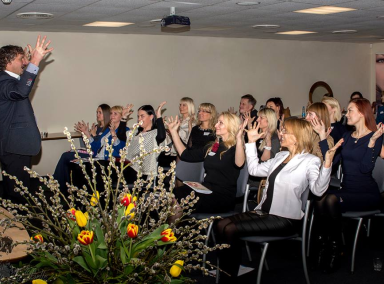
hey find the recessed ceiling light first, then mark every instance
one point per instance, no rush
(247, 3)
(345, 32)
(266, 26)
(35, 15)
(295, 33)
(324, 10)
(108, 24)
(186, 3)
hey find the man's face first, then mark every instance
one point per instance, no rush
(17, 65)
(244, 106)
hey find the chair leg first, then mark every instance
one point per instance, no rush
(206, 241)
(310, 233)
(304, 259)
(262, 259)
(369, 227)
(360, 221)
(248, 251)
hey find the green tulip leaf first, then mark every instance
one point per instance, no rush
(123, 255)
(80, 260)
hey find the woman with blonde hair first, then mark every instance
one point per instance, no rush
(223, 161)
(279, 213)
(204, 132)
(318, 116)
(334, 110)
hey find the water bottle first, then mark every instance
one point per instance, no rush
(303, 112)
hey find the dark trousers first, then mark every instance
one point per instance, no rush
(14, 165)
(230, 230)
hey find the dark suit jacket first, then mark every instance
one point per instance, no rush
(18, 129)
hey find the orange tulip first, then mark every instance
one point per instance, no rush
(168, 236)
(85, 237)
(38, 238)
(132, 230)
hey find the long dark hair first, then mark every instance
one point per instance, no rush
(106, 109)
(150, 111)
(278, 102)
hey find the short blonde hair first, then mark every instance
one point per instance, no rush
(191, 106)
(335, 105)
(210, 108)
(303, 132)
(119, 109)
(270, 114)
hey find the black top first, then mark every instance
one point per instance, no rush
(338, 130)
(221, 172)
(200, 137)
(271, 179)
(160, 137)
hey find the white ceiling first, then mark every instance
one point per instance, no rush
(212, 18)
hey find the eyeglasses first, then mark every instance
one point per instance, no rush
(284, 131)
(204, 111)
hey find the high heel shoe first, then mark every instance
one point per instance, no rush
(334, 257)
(323, 252)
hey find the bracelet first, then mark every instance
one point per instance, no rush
(267, 148)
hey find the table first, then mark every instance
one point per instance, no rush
(60, 136)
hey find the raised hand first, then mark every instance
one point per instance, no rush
(232, 110)
(253, 133)
(319, 127)
(240, 132)
(83, 127)
(331, 153)
(112, 129)
(41, 49)
(247, 116)
(93, 129)
(127, 111)
(158, 110)
(173, 124)
(378, 133)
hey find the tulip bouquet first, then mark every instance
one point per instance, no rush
(108, 233)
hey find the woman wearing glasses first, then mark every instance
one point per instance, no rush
(204, 132)
(279, 213)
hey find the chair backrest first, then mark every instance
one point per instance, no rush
(378, 173)
(190, 171)
(242, 181)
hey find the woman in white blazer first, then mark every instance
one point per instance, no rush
(289, 174)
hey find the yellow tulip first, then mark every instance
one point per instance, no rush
(132, 230)
(85, 237)
(38, 238)
(94, 199)
(129, 211)
(81, 219)
(39, 281)
(176, 270)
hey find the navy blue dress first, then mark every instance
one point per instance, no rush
(359, 191)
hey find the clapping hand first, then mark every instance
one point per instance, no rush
(232, 110)
(158, 110)
(112, 129)
(247, 116)
(127, 111)
(319, 127)
(253, 133)
(93, 130)
(83, 127)
(378, 133)
(173, 124)
(240, 132)
(41, 49)
(331, 153)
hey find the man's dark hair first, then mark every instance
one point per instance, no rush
(357, 93)
(250, 99)
(8, 53)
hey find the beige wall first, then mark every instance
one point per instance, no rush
(85, 70)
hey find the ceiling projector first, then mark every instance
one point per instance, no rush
(175, 24)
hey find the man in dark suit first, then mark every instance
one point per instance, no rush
(19, 135)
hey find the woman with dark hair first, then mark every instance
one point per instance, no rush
(152, 130)
(318, 116)
(279, 213)
(277, 105)
(356, 95)
(358, 191)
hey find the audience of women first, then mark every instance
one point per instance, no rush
(279, 213)
(359, 191)
(204, 132)
(97, 142)
(223, 161)
(153, 132)
(318, 115)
